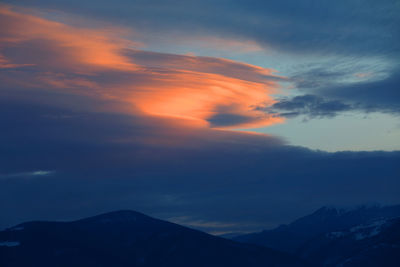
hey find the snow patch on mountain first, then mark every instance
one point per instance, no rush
(369, 230)
(361, 231)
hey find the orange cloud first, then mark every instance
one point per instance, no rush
(71, 46)
(213, 92)
(202, 96)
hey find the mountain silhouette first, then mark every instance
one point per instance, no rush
(128, 238)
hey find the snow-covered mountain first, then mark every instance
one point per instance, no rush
(376, 243)
(364, 236)
(127, 238)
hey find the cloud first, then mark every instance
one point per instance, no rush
(340, 27)
(26, 174)
(221, 44)
(328, 93)
(355, 31)
(310, 106)
(49, 44)
(166, 168)
(52, 56)
(371, 95)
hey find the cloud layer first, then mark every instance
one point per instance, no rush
(103, 162)
(361, 27)
(359, 31)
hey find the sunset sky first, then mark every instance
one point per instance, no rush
(220, 115)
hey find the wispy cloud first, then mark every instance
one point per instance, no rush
(30, 174)
(97, 63)
(309, 105)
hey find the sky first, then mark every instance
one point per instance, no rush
(225, 116)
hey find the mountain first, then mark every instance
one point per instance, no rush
(127, 238)
(373, 244)
(293, 236)
(365, 236)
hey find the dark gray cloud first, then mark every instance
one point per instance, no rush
(104, 161)
(310, 106)
(339, 27)
(380, 95)
(228, 119)
(327, 95)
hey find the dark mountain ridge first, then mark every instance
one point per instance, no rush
(127, 238)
